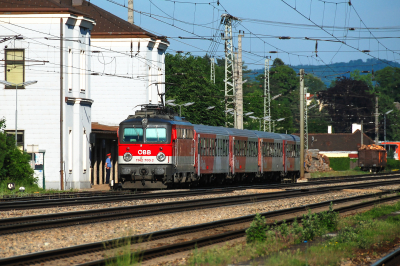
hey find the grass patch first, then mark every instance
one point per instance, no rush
(30, 189)
(337, 173)
(354, 233)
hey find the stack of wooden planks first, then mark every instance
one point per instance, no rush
(315, 162)
(372, 147)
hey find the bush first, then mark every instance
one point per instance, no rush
(14, 163)
(329, 219)
(256, 231)
(393, 164)
(340, 163)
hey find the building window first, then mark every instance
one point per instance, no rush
(20, 137)
(15, 66)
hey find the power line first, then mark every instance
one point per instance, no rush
(332, 34)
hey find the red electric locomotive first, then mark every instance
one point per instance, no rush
(158, 149)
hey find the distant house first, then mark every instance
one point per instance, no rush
(338, 145)
(109, 67)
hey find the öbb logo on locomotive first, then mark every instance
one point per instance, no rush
(159, 149)
(144, 152)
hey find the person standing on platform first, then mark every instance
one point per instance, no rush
(108, 168)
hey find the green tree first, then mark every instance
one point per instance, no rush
(313, 83)
(389, 82)
(195, 86)
(14, 163)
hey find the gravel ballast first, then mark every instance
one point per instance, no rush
(28, 242)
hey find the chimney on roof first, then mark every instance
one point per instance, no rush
(77, 2)
(130, 11)
(329, 129)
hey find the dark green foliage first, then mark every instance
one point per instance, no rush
(256, 231)
(339, 163)
(393, 164)
(348, 102)
(14, 163)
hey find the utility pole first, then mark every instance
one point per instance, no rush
(239, 86)
(230, 93)
(130, 11)
(306, 117)
(267, 94)
(376, 121)
(61, 105)
(212, 77)
(301, 123)
(362, 133)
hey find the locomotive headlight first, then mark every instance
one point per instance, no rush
(161, 156)
(127, 157)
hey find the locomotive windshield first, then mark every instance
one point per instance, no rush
(134, 135)
(138, 135)
(158, 135)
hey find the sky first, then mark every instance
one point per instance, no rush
(336, 31)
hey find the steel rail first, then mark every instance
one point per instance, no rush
(49, 203)
(35, 204)
(29, 223)
(392, 259)
(43, 256)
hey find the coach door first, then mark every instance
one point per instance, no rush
(185, 148)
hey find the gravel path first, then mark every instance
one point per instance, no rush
(28, 242)
(19, 213)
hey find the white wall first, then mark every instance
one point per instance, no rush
(39, 104)
(124, 81)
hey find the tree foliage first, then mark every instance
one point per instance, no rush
(14, 163)
(348, 100)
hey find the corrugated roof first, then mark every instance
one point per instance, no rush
(202, 129)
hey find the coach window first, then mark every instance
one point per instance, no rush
(226, 148)
(199, 146)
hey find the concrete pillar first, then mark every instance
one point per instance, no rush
(101, 161)
(95, 172)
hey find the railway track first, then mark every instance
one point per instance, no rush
(34, 203)
(101, 247)
(392, 259)
(45, 203)
(29, 223)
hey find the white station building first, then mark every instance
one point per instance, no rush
(108, 67)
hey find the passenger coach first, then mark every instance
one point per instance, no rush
(158, 149)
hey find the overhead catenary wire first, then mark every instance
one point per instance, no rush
(330, 33)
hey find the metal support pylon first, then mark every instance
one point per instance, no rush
(267, 95)
(305, 118)
(230, 94)
(212, 77)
